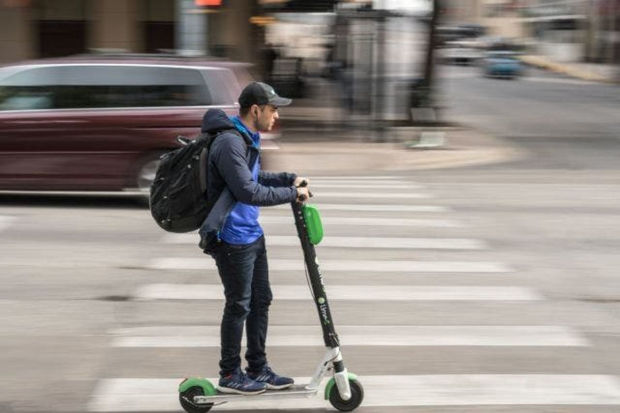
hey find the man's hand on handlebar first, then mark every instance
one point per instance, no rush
(302, 184)
(300, 181)
(303, 194)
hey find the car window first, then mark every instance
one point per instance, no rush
(102, 86)
(222, 85)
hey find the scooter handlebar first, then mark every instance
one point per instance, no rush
(303, 197)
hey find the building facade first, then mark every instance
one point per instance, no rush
(564, 30)
(49, 28)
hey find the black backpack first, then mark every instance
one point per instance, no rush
(178, 197)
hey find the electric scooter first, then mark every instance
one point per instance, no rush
(343, 390)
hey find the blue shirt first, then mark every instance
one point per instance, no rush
(241, 226)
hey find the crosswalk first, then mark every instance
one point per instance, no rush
(131, 395)
(344, 265)
(373, 195)
(357, 221)
(364, 335)
(6, 221)
(347, 292)
(360, 242)
(374, 208)
(361, 225)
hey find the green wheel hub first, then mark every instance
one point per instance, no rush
(206, 385)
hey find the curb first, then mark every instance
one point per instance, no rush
(464, 149)
(541, 62)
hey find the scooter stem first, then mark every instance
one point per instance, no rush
(316, 279)
(333, 355)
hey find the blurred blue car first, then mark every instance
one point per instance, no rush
(500, 63)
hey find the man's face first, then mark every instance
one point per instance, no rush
(266, 117)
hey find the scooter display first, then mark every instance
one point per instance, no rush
(343, 390)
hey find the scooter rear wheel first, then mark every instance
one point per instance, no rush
(186, 399)
(357, 395)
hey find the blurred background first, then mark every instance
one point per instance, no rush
(376, 53)
(356, 69)
(464, 155)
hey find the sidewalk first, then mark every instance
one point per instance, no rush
(587, 71)
(316, 141)
(463, 147)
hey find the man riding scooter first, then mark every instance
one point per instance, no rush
(238, 246)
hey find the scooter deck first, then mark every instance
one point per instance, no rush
(297, 390)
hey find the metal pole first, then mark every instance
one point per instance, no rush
(430, 51)
(191, 29)
(378, 96)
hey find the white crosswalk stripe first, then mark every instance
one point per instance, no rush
(374, 186)
(209, 336)
(6, 221)
(356, 242)
(380, 183)
(163, 291)
(142, 394)
(329, 221)
(375, 266)
(373, 208)
(353, 178)
(370, 195)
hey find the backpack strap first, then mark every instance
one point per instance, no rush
(204, 154)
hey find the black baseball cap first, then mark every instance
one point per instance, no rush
(259, 93)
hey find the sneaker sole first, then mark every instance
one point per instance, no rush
(228, 390)
(282, 387)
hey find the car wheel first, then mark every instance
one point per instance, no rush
(146, 175)
(143, 177)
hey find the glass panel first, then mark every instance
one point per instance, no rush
(12, 98)
(64, 87)
(222, 86)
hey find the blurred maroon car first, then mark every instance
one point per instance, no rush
(101, 123)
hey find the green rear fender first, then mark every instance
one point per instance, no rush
(332, 382)
(206, 385)
(313, 223)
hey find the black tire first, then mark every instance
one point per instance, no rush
(143, 175)
(357, 396)
(186, 399)
(146, 174)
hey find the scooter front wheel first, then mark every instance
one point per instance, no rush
(186, 399)
(357, 395)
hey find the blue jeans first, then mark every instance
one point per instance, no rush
(245, 276)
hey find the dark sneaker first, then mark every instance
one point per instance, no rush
(240, 383)
(271, 379)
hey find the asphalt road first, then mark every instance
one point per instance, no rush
(538, 104)
(493, 289)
